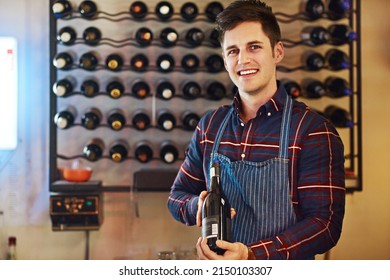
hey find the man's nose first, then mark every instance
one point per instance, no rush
(243, 57)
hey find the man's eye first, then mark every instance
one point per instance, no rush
(232, 52)
(255, 47)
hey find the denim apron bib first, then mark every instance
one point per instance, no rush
(259, 191)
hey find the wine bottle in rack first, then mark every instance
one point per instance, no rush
(144, 36)
(63, 61)
(90, 87)
(65, 118)
(93, 150)
(116, 119)
(338, 9)
(119, 150)
(88, 9)
(114, 62)
(66, 36)
(214, 63)
(190, 120)
(168, 37)
(164, 10)
(338, 116)
(138, 10)
(140, 120)
(115, 89)
(165, 62)
(337, 87)
(194, 37)
(91, 118)
(292, 87)
(92, 36)
(89, 61)
(139, 62)
(337, 60)
(341, 34)
(189, 11)
(215, 90)
(312, 88)
(190, 63)
(140, 89)
(216, 218)
(61, 9)
(64, 87)
(166, 120)
(313, 9)
(143, 151)
(165, 90)
(313, 61)
(168, 152)
(315, 35)
(213, 37)
(191, 90)
(213, 9)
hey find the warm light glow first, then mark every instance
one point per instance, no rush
(8, 93)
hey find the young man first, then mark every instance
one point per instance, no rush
(282, 165)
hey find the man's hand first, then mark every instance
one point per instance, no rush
(234, 251)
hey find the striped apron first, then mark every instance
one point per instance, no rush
(258, 191)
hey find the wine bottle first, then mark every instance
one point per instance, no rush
(64, 87)
(143, 151)
(140, 89)
(312, 88)
(190, 120)
(191, 90)
(114, 62)
(168, 37)
(165, 63)
(88, 9)
(338, 116)
(91, 118)
(93, 150)
(338, 9)
(315, 35)
(214, 63)
(166, 120)
(215, 90)
(144, 36)
(313, 61)
(213, 37)
(168, 152)
(189, 11)
(116, 119)
(89, 61)
(337, 87)
(140, 120)
(292, 88)
(63, 61)
(341, 34)
(119, 150)
(165, 90)
(92, 36)
(212, 10)
(90, 88)
(115, 89)
(216, 218)
(337, 60)
(194, 37)
(65, 118)
(164, 10)
(62, 9)
(11, 254)
(190, 63)
(139, 62)
(66, 36)
(313, 9)
(138, 10)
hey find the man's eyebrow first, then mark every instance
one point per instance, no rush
(248, 44)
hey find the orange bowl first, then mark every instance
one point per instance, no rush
(77, 175)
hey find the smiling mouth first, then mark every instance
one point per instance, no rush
(247, 72)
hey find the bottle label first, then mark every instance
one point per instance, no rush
(210, 227)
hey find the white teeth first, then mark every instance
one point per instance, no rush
(247, 72)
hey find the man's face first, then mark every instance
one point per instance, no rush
(249, 58)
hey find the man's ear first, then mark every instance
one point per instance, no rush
(279, 52)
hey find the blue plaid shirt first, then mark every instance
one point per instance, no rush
(316, 173)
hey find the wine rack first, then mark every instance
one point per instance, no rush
(119, 62)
